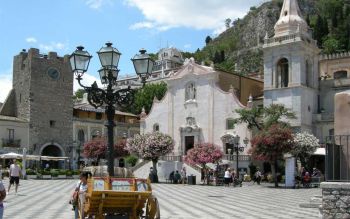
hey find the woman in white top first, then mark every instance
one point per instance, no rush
(81, 189)
(227, 177)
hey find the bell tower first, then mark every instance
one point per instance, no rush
(291, 66)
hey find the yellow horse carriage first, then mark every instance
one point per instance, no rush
(119, 198)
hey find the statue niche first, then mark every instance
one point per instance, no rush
(190, 92)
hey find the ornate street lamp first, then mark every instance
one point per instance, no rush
(109, 98)
(238, 148)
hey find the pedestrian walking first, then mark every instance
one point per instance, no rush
(227, 177)
(78, 197)
(257, 177)
(183, 175)
(14, 175)
(2, 197)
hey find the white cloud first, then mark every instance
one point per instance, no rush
(97, 4)
(5, 84)
(53, 46)
(31, 40)
(142, 25)
(88, 79)
(198, 14)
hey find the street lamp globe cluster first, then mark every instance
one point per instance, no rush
(111, 97)
(237, 147)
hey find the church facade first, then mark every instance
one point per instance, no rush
(196, 108)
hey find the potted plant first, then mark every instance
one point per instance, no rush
(31, 174)
(69, 174)
(62, 174)
(76, 174)
(54, 174)
(46, 174)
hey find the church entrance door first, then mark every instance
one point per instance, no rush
(189, 143)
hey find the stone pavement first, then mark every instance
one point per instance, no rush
(48, 199)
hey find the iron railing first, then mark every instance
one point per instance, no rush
(11, 142)
(337, 158)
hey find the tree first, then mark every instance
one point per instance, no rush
(144, 97)
(331, 45)
(271, 144)
(305, 144)
(262, 118)
(78, 94)
(208, 39)
(151, 146)
(204, 153)
(97, 147)
(227, 23)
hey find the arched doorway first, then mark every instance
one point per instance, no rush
(53, 151)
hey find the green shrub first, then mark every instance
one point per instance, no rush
(252, 170)
(62, 172)
(76, 172)
(131, 159)
(69, 173)
(30, 171)
(54, 174)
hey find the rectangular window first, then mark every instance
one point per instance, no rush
(230, 124)
(98, 116)
(52, 123)
(11, 134)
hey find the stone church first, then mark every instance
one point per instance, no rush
(199, 106)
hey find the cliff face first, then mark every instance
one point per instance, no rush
(241, 43)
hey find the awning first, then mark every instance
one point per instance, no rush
(320, 151)
(38, 157)
(11, 155)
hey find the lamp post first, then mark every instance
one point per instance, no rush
(237, 147)
(111, 97)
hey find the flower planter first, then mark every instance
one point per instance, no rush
(62, 177)
(31, 176)
(54, 177)
(46, 177)
(76, 176)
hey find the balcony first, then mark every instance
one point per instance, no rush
(14, 143)
(234, 157)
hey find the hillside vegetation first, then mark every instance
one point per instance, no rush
(238, 49)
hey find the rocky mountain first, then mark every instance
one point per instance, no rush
(239, 48)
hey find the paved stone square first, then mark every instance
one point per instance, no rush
(39, 199)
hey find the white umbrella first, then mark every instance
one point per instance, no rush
(11, 155)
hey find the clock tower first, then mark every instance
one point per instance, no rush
(43, 89)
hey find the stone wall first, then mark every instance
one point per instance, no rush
(335, 200)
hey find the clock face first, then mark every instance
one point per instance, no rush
(53, 73)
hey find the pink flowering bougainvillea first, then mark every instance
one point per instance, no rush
(204, 153)
(150, 146)
(96, 148)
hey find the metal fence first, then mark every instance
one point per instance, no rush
(338, 158)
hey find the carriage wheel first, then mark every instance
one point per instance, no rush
(152, 208)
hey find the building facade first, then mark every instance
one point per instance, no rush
(199, 106)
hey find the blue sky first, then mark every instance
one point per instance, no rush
(61, 25)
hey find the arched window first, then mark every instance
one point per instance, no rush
(156, 127)
(81, 136)
(340, 74)
(190, 91)
(308, 73)
(282, 73)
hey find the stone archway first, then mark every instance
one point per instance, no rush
(53, 150)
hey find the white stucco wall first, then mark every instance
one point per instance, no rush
(21, 131)
(210, 109)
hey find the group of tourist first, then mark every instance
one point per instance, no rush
(231, 177)
(304, 177)
(179, 177)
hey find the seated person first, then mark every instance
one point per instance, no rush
(307, 179)
(177, 177)
(316, 172)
